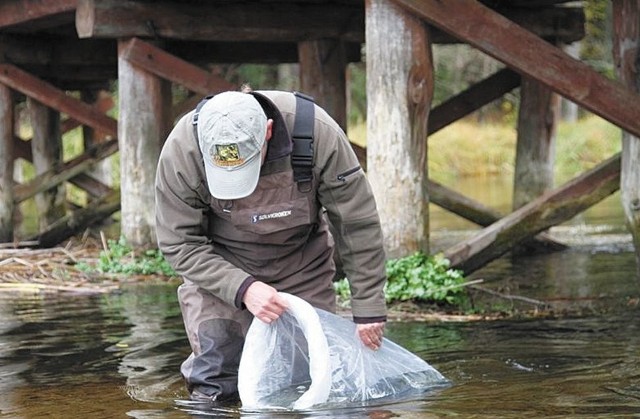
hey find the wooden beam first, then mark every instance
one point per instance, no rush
(548, 210)
(461, 205)
(79, 220)
(22, 149)
(92, 186)
(169, 67)
(472, 99)
(44, 50)
(556, 24)
(6, 163)
(211, 52)
(17, 12)
(56, 57)
(530, 3)
(57, 175)
(284, 22)
(467, 208)
(56, 99)
(447, 198)
(482, 215)
(219, 21)
(523, 51)
(323, 75)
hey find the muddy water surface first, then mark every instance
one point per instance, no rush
(118, 355)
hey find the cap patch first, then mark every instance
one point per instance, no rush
(227, 155)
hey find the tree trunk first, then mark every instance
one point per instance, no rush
(6, 164)
(626, 44)
(399, 94)
(144, 109)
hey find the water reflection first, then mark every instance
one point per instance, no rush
(568, 368)
(119, 355)
(78, 356)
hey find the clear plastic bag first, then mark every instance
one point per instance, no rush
(310, 357)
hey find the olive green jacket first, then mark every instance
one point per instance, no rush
(279, 234)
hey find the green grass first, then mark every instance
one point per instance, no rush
(584, 144)
(121, 258)
(467, 148)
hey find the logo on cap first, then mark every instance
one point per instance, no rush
(227, 155)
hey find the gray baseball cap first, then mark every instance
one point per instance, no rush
(231, 133)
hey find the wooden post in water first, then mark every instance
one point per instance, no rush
(144, 115)
(626, 52)
(103, 170)
(399, 94)
(323, 75)
(6, 164)
(537, 121)
(46, 146)
(535, 151)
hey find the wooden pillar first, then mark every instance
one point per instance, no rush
(144, 115)
(626, 52)
(323, 75)
(6, 164)
(535, 150)
(46, 146)
(569, 109)
(399, 94)
(103, 170)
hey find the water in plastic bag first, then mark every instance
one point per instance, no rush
(313, 358)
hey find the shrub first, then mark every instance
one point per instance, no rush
(418, 277)
(120, 258)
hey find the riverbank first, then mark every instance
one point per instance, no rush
(497, 292)
(55, 271)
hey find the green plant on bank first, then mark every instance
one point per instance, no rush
(418, 277)
(120, 258)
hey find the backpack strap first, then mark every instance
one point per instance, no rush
(196, 115)
(302, 154)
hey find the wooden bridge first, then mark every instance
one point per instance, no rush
(61, 58)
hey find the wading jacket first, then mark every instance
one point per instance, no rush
(278, 234)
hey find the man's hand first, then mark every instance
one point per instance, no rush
(264, 302)
(371, 334)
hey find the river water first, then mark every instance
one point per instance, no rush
(118, 355)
